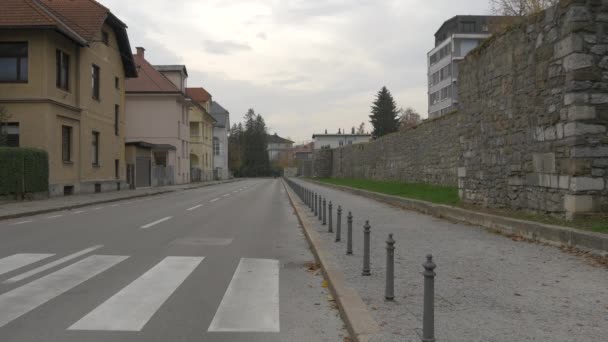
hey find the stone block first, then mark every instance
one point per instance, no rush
(577, 13)
(576, 98)
(574, 167)
(543, 162)
(550, 133)
(564, 182)
(604, 63)
(596, 151)
(462, 172)
(532, 179)
(577, 128)
(579, 203)
(571, 44)
(581, 113)
(577, 61)
(515, 181)
(586, 184)
(599, 98)
(599, 49)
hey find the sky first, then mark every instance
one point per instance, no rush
(306, 65)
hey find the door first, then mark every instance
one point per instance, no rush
(142, 172)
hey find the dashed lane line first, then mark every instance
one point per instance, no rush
(195, 207)
(156, 222)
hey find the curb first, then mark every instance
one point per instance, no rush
(80, 205)
(357, 318)
(596, 243)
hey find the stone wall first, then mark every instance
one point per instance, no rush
(425, 154)
(533, 127)
(532, 130)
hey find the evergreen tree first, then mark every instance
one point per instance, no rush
(384, 114)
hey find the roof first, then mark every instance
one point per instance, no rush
(275, 139)
(150, 146)
(175, 67)
(198, 94)
(341, 135)
(149, 80)
(79, 20)
(220, 114)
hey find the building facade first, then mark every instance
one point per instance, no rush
(201, 135)
(453, 41)
(157, 114)
(279, 149)
(338, 140)
(62, 81)
(220, 140)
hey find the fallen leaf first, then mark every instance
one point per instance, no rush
(324, 284)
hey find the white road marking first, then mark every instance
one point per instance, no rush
(251, 302)
(51, 265)
(21, 222)
(114, 205)
(79, 212)
(15, 261)
(235, 191)
(98, 208)
(195, 207)
(54, 216)
(132, 307)
(214, 200)
(156, 222)
(226, 195)
(26, 298)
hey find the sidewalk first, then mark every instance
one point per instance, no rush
(28, 208)
(488, 287)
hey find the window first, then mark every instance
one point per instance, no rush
(116, 168)
(468, 27)
(116, 119)
(95, 146)
(105, 37)
(116, 83)
(216, 146)
(95, 81)
(10, 131)
(63, 70)
(66, 144)
(13, 62)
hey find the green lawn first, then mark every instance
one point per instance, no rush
(425, 192)
(449, 195)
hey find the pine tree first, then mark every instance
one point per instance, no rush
(384, 114)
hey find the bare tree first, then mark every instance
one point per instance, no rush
(4, 117)
(408, 118)
(519, 7)
(361, 129)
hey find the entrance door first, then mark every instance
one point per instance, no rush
(142, 172)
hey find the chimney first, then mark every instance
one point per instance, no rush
(140, 51)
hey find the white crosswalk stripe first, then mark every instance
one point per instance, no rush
(251, 302)
(22, 300)
(132, 307)
(16, 261)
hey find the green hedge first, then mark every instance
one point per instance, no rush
(23, 171)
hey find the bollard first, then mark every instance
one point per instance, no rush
(389, 293)
(324, 211)
(366, 236)
(428, 314)
(339, 223)
(310, 204)
(316, 207)
(349, 233)
(331, 228)
(320, 208)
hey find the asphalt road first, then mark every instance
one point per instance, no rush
(220, 263)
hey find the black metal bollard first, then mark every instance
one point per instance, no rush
(349, 233)
(339, 223)
(324, 211)
(320, 208)
(428, 313)
(366, 237)
(331, 227)
(389, 292)
(316, 206)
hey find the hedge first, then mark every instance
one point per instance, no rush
(23, 171)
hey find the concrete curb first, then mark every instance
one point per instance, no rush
(359, 321)
(80, 205)
(596, 243)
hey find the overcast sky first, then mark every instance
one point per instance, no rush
(305, 65)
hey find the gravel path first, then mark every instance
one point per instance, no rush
(488, 288)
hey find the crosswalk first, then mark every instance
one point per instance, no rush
(250, 302)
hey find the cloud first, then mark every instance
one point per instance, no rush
(307, 65)
(224, 47)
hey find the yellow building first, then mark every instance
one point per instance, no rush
(201, 135)
(64, 63)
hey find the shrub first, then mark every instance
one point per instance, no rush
(23, 171)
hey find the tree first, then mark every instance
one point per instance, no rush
(409, 118)
(384, 114)
(4, 116)
(361, 129)
(520, 7)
